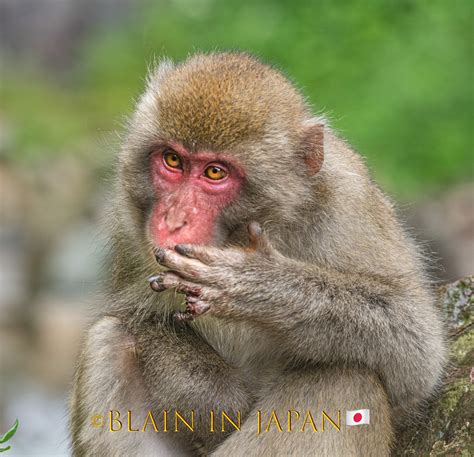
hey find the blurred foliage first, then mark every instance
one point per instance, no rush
(394, 77)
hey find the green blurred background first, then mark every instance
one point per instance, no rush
(394, 77)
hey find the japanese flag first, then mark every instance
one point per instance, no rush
(358, 417)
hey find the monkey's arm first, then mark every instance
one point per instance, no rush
(322, 315)
(108, 379)
(150, 367)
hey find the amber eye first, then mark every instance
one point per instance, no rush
(172, 159)
(215, 173)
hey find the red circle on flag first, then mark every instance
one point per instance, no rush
(357, 417)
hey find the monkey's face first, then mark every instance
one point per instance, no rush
(215, 143)
(191, 191)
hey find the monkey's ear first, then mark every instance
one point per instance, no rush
(312, 146)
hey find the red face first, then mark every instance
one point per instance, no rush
(191, 191)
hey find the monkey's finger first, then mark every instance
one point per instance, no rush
(182, 286)
(196, 309)
(165, 281)
(184, 266)
(196, 306)
(156, 283)
(204, 254)
(208, 255)
(258, 240)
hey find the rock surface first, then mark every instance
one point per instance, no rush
(446, 429)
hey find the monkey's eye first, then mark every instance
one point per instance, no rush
(172, 159)
(215, 173)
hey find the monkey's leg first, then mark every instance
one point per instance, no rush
(108, 378)
(328, 389)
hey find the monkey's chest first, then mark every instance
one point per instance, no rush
(242, 346)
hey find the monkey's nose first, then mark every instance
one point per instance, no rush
(175, 221)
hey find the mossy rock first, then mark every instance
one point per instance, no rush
(445, 429)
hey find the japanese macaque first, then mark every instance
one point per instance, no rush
(280, 278)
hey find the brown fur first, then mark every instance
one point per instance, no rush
(347, 319)
(216, 96)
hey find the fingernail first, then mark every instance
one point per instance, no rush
(160, 255)
(182, 249)
(156, 283)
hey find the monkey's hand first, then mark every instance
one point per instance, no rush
(216, 280)
(322, 314)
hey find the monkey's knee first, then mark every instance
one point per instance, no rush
(108, 372)
(333, 391)
(292, 418)
(104, 381)
(110, 348)
(356, 389)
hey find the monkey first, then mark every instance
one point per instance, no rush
(255, 267)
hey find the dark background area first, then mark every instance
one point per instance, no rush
(395, 78)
